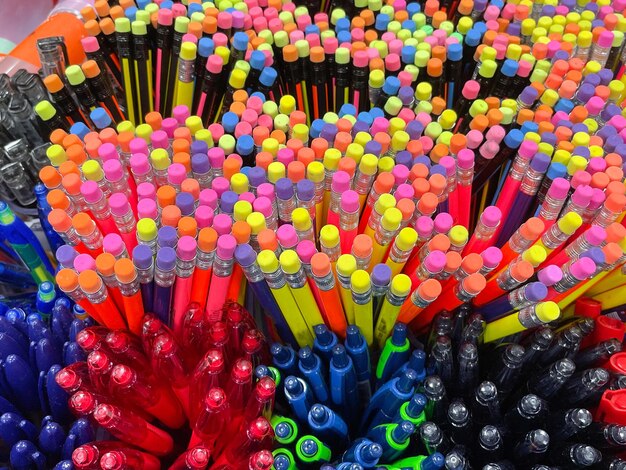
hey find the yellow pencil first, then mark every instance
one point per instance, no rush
(528, 317)
(361, 287)
(346, 265)
(186, 75)
(398, 292)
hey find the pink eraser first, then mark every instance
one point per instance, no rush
(550, 275)
(165, 17)
(107, 152)
(226, 245)
(491, 216)
(287, 236)
(559, 188)
(113, 243)
(424, 226)
(159, 139)
(491, 257)
(138, 145)
(169, 125)
(528, 149)
(400, 173)
(496, 133)
(118, 202)
(489, 149)
(220, 39)
(404, 191)
(247, 196)
(597, 199)
(190, 38)
(471, 89)
(443, 222)
(605, 39)
(435, 261)
(473, 139)
(350, 201)
(147, 209)
(186, 248)
(204, 216)
(449, 164)
(139, 164)
(595, 235)
(266, 190)
(581, 177)
(595, 105)
(285, 156)
(146, 191)
(340, 182)
(596, 165)
(214, 64)
(582, 268)
(91, 191)
(465, 159)
(220, 185)
(83, 262)
(90, 44)
(263, 205)
(380, 124)
(181, 113)
(222, 223)
(176, 173)
(524, 68)
(305, 250)
(113, 170)
(208, 197)
(392, 62)
(582, 195)
(216, 157)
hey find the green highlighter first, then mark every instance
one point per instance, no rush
(310, 450)
(284, 460)
(285, 430)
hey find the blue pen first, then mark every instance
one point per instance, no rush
(343, 383)
(6, 406)
(324, 342)
(284, 358)
(8, 346)
(310, 366)
(412, 410)
(283, 459)
(46, 354)
(76, 327)
(59, 334)
(43, 210)
(62, 311)
(64, 465)
(81, 432)
(56, 397)
(51, 439)
(16, 275)
(46, 297)
(299, 397)
(364, 452)
(328, 426)
(14, 428)
(387, 400)
(349, 466)
(26, 455)
(359, 352)
(21, 382)
(72, 353)
(14, 323)
(266, 371)
(433, 462)
(417, 362)
(37, 329)
(394, 354)
(393, 437)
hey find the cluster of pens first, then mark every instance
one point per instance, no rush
(532, 402)
(37, 429)
(140, 391)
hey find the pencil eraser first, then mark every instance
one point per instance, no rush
(582, 268)
(305, 250)
(186, 248)
(226, 245)
(491, 216)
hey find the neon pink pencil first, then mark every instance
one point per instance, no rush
(222, 272)
(185, 267)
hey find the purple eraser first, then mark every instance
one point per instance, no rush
(305, 190)
(200, 164)
(535, 291)
(65, 255)
(227, 201)
(245, 255)
(381, 275)
(284, 189)
(550, 275)
(540, 162)
(166, 258)
(142, 256)
(167, 236)
(186, 203)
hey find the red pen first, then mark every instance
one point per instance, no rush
(239, 385)
(257, 436)
(129, 459)
(127, 386)
(209, 373)
(261, 460)
(87, 456)
(129, 427)
(74, 377)
(196, 458)
(194, 332)
(91, 338)
(151, 329)
(238, 322)
(261, 401)
(127, 349)
(254, 348)
(100, 366)
(218, 339)
(168, 363)
(83, 403)
(212, 418)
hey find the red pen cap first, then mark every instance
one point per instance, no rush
(123, 459)
(612, 407)
(87, 456)
(91, 338)
(83, 403)
(73, 377)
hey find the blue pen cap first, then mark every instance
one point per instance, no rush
(565, 105)
(316, 128)
(79, 129)
(200, 163)
(556, 170)
(245, 145)
(434, 461)
(398, 334)
(371, 452)
(347, 108)
(64, 465)
(312, 29)
(141, 4)
(376, 112)
(344, 36)
(257, 60)
(194, 8)
(100, 118)
(228, 200)
(268, 77)
(324, 336)
(343, 24)
(308, 360)
(413, 8)
(402, 431)
(382, 21)
(244, 170)
(206, 46)
(365, 117)
(282, 354)
(167, 4)
(408, 54)
(509, 68)
(308, 447)
(131, 13)
(455, 52)
(240, 41)
(199, 146)
(229, 121)
(283, 430)
(499, 4)
(340, 357)
(410, 25)
(416, 405)
(354, 338)
(529, 126)
(391, 86)
(259, 95)
(406, 381)
(319, 414)
(293, 385)
(282, 461)
(256, 176)
(472, 38)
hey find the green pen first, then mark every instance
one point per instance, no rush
(395, 353)
(311, 450)
(393, 437)
(284, 460)
(285, 430)
(420, 462)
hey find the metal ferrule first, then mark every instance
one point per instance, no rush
(418, 300)
(462, 294)
(120, 186)
(145, 275)
(333, 252)
(328, 178)
(204, 259)
(76, 295)
(70, 237)
(308, 234)
(518, 243)
(554, 237)
(348, 220)
(151, 243)
(125, 223)
(550, 208)
(185, 268)
(319, 191)
(362, 299)
(399, 256)
(568, 280)
(99, 296)
(372, 198)
(296, 280)
(160, 178)
(164, 278)
(275, 280)
(531, 182)
(253, 272)
(605, 217)
(383, 236)
(216, 173)
(519, 167)
(286, 207)
(395, 300)
(93, 241)
(344, 281)
(186, 70)
(131, 288)
(528, 318)
(578, 246)
(335, 202)
(325, 283)
(100, 208)
(482, 232)
(465, 177)
(204, 179)
(309, 206)
(222, 267)
(145, 178)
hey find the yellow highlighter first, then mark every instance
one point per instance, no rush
(385, 231)
(280, 291)
(361, 287)
(346, 265)
(397, 294)
(186, 75)
(401, 250)
(528, 317)
(300, 290)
